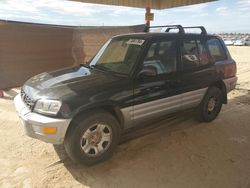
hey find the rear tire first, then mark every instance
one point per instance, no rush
(92, 137)
(210, 106)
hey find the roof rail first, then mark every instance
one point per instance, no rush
(203, 30)
(169, 27)
(179, 27)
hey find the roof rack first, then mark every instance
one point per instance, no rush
(203, 30)
(179, 27)
(169, 27)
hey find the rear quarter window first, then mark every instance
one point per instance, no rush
(216, 50)
(194, 54)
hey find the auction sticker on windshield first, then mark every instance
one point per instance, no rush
(135, 41)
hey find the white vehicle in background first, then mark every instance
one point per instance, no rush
(228, 42)
(247, 42)
(239, 42)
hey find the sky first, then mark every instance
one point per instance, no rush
(218, 16)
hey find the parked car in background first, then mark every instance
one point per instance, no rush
(228, 42)
(134, 79)
(239, 42)
(234, 40)
(247, 42)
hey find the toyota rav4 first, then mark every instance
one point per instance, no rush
(132, 79)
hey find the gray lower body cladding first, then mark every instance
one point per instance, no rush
(153, 109)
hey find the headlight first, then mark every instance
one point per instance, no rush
(50, 107)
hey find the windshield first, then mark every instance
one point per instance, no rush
(118, 55)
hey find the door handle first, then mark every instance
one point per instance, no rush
(173, 81)
(178, 81)
(150, 90)
(146, 91)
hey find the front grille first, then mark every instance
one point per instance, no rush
(27, 100)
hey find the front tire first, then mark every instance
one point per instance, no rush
(92, 137)
(211, 105)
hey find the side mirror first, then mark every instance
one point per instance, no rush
(148, 71)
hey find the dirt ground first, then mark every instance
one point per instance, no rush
(178, 152)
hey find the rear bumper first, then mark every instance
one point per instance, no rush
(230, 83)
(34, 123)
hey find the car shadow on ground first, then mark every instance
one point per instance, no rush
(132, 147)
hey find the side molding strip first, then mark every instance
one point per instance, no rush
(148, 110)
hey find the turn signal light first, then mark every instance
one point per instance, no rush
(49, 130)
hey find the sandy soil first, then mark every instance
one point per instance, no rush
(179, 152)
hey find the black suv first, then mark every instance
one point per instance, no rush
(133, 79)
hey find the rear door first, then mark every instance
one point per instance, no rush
(159, 93)
(197, 70)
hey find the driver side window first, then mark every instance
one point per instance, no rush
(161, 57)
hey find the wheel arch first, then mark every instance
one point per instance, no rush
(221, 85)
(113, 110)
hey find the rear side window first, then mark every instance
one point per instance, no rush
(216, 50)
(194, 54)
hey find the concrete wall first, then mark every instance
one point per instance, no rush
(26, 50)
(29, 49)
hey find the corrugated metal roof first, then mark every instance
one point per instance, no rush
(154, 4)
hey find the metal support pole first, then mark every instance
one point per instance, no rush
(148, 10)
(147, 24)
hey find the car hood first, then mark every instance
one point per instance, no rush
(67, 82)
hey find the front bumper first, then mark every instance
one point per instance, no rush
(33, 124)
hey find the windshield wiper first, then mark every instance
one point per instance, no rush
(100, 67)
(106, 69)
(86, 65)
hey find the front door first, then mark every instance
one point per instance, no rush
(157, 85)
